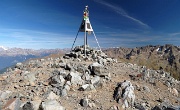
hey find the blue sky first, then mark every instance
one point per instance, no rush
(40, 24)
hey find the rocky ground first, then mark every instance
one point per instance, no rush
(73, 82)
(166, 57)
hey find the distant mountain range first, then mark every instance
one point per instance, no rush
(166, 57)
(10, 56)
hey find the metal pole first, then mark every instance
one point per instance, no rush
(97, 41)
(85, 39)
(75, 40)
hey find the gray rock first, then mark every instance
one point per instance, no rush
(52, 96)
(28, 106)
(145, 88)
(81, 69)
(67, 87)
(84, 102)
(36, 104)
(4, 94)
(62, 65)
(57, 81)
(95, 80)
(96, 68)
(38, 65)
(157, 107)
(19, 66)
(63, 92)
(12, 104)
(51, 105)
(109, 59)
(30, 77)
(167, 83)
(76, 78)
(57, 90)
(68, 67)
(84, 87)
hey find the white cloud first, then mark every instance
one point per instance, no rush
(174, 34)
(122, 12)
(34, 39)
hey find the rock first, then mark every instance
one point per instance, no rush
(173, 108)
(167, 84)
(19, 66)
(145, 88)
(12, 104)
(51, 105)
(69, 67)
(30, 77)
(36, 104)
(38, 65)
(92, 105)
(96, 68)
(4, 94)
(28, 106)
(84, 102)
(76, 78)
(84, 87)
(62, 65)
(139, 106)
(157, 108)
(114, 108)
(86, 76)
(81, 69)
(4, 77)
(125, 91)
(52, 96)
(63, 92)
(67, 87)
(95, 81)
(57, 81)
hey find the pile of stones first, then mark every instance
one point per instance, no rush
(38, 84)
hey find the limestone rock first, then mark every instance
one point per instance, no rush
(76, 78)
(12, 104)
(51, 105)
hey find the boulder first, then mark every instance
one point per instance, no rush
(75, 78)
(98, 69)
(84, 102)
(51, 105)
(12, 104)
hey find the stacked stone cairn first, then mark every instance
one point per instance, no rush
(38, 84)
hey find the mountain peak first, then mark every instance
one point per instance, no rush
(3, 48)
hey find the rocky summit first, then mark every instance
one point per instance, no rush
(94, 82)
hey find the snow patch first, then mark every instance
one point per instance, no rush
(4, 48)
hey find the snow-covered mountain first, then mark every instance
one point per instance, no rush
(10, 56)
(2, 48)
